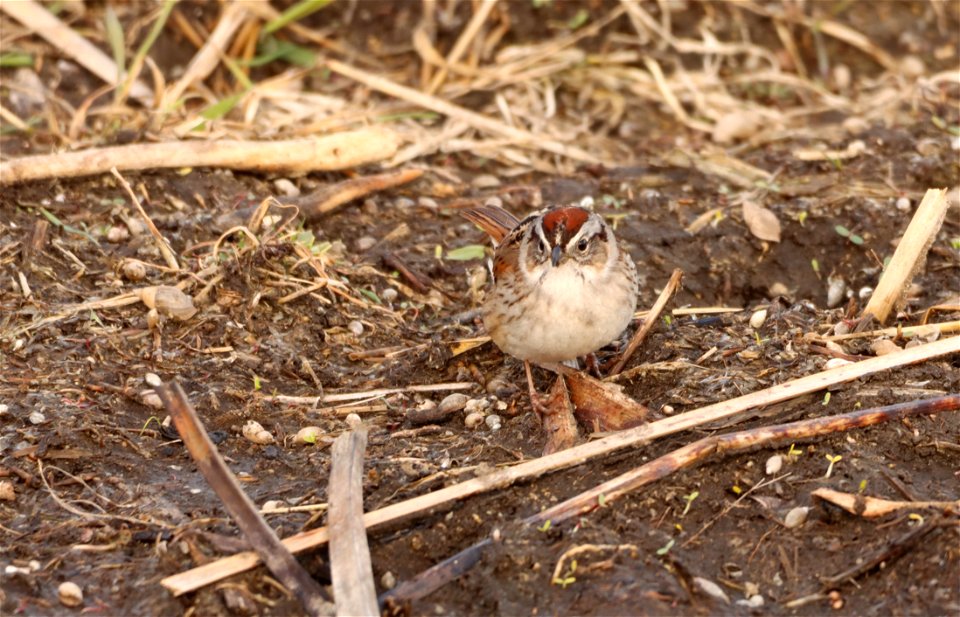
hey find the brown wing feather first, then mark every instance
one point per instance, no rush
(494, 220)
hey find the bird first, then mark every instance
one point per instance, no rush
(562, 288)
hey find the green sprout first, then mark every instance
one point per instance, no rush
(545, 527)
(834, 459)
(846, 233)
(567, 578)
(826, 399)
(256, 383)
(794, 452)
(666, 548)
(802, 217)
(689, 499)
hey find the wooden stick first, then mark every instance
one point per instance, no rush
(872, 507)
(352, 572)
(340, 397)
(256, 530)
(44, 23)
(433, 578)
(898, 331)
(477, 121)
(217, 570)
(330, 152)
(668, 290)
(910, 255)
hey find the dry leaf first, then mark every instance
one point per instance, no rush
(762, 222)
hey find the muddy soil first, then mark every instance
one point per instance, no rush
(106, 497)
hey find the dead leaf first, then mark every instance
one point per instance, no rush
(603, 405)
(558, 421)
(762, 222)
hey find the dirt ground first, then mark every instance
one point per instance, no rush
(106, 497)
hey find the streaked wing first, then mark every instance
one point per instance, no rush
(494, 220)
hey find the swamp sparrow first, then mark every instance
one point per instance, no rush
(562, 287)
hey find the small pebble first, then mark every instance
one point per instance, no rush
(117, 234)
(365, 243)
(882, 347)
(903, 204)
(476, 405)
(36, 417)
(842, 76)
(6, 491)
(150, 399)
(355, 327)
(152, 379)
(836, 363)
(354, 421)
(133, 270)
(70, 594)
(912, 66)
(774, 464)
(757, 319)
(754, 601)
(404, 202)
(4, 409)
(389, 294)
(255, 432)
(454, 402)
(307, 435)
(273, 504)
(388, 580)
(835, 347)
(842, 327)
(473, 420)
(795, 517)
(428, 202)
(865, 293)
(667, 410)
(494, 422)
(485, 181)
(286, 187)
(711, 589)
(836, 287)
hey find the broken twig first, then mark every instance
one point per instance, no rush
(256, 530)
(353, 588)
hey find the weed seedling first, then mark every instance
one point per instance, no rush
(689, 499)
(833, 460)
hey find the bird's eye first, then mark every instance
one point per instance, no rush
(582, 245)
(542, 247)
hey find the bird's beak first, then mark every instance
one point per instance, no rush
(555, 255)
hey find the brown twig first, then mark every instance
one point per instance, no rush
(256, 530)
(668, 290)
(353, 588)
(330, 152)
(887, 554)
(872, 507)
(687, 456)
(420, 282)
(210, 573)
